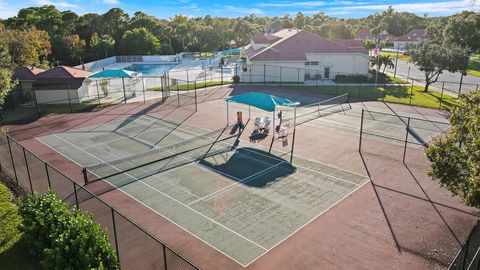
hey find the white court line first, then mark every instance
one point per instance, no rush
(148, 207)
(307, 223)
(171, 198)
(163, 180)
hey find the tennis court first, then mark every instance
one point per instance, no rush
(231, 194)
(385, 125)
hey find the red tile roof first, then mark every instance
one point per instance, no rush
(294, 47)
(414, 35)
(354, 44)
(26, 73)
(363, 34)
(264, 38)
(63, 72)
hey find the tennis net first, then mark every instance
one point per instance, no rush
(147, 163)
(310, 112)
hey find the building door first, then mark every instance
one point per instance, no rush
(327, 73)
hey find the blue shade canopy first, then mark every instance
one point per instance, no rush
(262, 101)
(113, 73)
(231, 51)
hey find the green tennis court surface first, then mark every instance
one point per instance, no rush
(238, 199)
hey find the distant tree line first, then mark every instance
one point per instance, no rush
(45, 36)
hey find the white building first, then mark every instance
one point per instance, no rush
(292, 55)
(410, 40)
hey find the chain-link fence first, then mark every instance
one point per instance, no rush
(136, 248)
(468, 256)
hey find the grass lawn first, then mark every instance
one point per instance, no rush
(398, 94)
(393, 55)
(473, 68)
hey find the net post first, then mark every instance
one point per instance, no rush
(85, 178)
(293, 143)
(48, 175)
(28, 170)
(11, 158)
(406, 140)
(221, 74)
(115, 233)
(361, 132)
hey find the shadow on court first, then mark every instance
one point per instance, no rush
(251, 167)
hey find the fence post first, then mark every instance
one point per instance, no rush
(115, 233)
(164, 257)
(361, 131)
(188, 80)
(76, 196)
(264, 74)
(28, 171)
(467, 244)
(36, 101)
(205, 80)
(316, 79)
(441, 95)
(124, 93)
(460, 86)
(48, 175)
(221, 74)
(336, 89)
(396, 61)
(11, 158)
(1, 117)
(281, 73)
(359, 86)
(406, 139)
(98, 93)
(69, 100)
(143, 87)
(411, 93)
(298, 77)
(195, 89)
(408, 73)
(178, 97)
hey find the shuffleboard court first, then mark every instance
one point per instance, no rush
(237, 198)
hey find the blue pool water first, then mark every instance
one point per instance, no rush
(151, 69)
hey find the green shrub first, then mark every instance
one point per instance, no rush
(64, 239)
(9, 220)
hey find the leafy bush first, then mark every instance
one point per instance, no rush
(236, 79)
(64, 239)
(351, 78)
(9, 220)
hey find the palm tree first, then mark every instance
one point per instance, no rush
(386, 60)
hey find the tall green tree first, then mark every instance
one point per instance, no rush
(6, 83)
(433, 59)
(456, 158)
(139, 42)
(464, 30)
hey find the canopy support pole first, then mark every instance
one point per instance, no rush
(228, 122)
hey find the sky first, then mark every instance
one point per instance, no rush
(167, 8)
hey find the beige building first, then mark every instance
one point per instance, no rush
(292, 55)
(410, 40)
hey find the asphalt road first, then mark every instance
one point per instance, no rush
(452, 80)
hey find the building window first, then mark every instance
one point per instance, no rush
(311, 63)
(327, 73)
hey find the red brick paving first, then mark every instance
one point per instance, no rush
(400, 220)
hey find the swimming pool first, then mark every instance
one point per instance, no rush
(151, 69)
